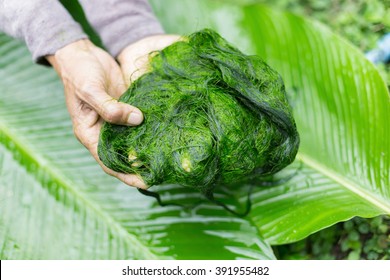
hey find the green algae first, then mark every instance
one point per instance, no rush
(213, 115)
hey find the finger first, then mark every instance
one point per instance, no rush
(136, 68)
(134, 60)
(132, 180)
(81, 113)
(89, 137)
(110, 109)
(129, 179)
(117, 85)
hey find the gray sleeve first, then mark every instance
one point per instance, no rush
(121, 22)
(45, 25)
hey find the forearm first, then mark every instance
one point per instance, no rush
(121, 22)
(45, 25)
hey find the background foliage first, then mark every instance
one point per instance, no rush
(361, 22)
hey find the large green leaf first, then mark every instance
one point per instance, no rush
(57, 203)
(341, 106)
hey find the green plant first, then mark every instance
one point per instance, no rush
(357, 238)
(361, 22)
(56, 203)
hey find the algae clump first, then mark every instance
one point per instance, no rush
(213, 115)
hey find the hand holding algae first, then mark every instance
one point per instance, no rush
(213, 115)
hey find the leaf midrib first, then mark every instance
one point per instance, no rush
(346, 183)
(67, 185)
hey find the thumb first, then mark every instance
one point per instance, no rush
(111, 110)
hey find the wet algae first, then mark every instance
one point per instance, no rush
(213, 115)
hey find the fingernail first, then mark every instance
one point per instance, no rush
(135, 118)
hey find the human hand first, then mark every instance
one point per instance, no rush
(134, 58)
(93, 82)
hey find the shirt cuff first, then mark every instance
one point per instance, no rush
(57, 38)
